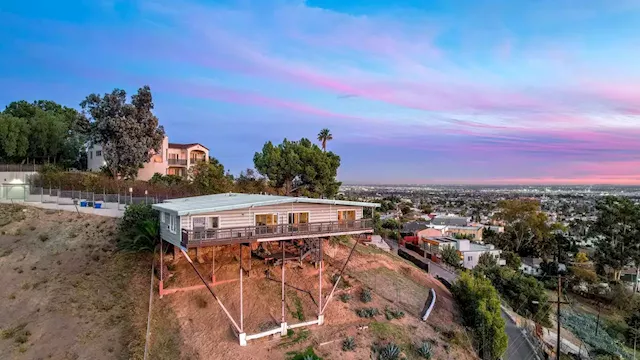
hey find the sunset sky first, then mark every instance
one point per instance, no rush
(512, 91)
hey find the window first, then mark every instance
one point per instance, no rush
(162, 217)
(173, 222)
(98, 153)
(346, 215)
(204, 222)
(299, 218)
(266, 219)
(90, 154)
(469, 258)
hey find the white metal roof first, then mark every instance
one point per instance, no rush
(232, 201)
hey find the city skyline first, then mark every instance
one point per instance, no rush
(460, 92)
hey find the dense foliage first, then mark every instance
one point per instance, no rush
(126, 130)
(139, 228)
(524, 293)
(450, 256)
(583, 325)
(480, 307)
(299, 167)
(44, 132)
(617, 229)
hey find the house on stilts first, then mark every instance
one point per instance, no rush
(252, 220)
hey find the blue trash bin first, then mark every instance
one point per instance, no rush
(97, 205)
(83, 204)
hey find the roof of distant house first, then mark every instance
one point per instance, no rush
(414, 226)
(476, 228)
(533, 262)
(185, 146)
(231, 201)
(449, 220)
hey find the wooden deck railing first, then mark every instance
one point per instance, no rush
(191, 238)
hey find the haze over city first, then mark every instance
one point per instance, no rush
(499, 92)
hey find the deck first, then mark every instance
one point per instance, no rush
(211, 237)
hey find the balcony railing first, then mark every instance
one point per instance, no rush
(178, 162)
(192, 238)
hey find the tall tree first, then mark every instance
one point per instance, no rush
(299, 167)
(14, 138)
(617, 229)
(209, 178)
(527, 231)
(127, 131)
(323, 136)
(55, 133)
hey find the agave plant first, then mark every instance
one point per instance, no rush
(390, 351)
(365, 295)
(425, 350)
(367, 312)
(349, 343)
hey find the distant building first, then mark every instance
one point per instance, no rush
(449, 221)
(531, 266)
(412, 227)
(469, 251)
(171, 159)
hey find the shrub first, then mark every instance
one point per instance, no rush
(425, 350)
(365, 295)
(480, 308)
(307, 354)
(393, 313)
(450, 256)
(367, 312)
(345, 297)
(349, 344)
(582, 257)
(390, 351)
(139, 229)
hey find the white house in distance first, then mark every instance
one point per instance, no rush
(469, 251)
(172, 159)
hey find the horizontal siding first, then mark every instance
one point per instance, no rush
(167, 235)
(246, 217)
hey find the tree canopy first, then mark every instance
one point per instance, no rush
(210, 178)
(527, 229)
(127, 131)
(42, 131)
(617, 229)
(299, 167)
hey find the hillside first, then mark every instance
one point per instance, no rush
(67, 294)
(192, 324)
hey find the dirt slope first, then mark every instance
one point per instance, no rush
(65, 293)
(191, 325)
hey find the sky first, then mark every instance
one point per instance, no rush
(413, 91)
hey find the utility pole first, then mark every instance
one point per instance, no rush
(598, 319)
(558, 304)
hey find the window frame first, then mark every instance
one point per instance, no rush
(173, 221)
(355, 214)
(274, 217)
(289, 213)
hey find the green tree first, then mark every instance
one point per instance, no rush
(480, 308)
(527, 231)
(487, 260)
(248, 182)
(617, 229)
(209, 178)
(14, 138)
(512, 260)
(55, 133)
(450, 256)
(127, 131)
(299, 167)
(323, 136)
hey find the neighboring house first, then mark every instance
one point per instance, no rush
(472, 232)
(245, 218)
(531, 266)
(412, 227)
(469, 252)
(428, 233)
(497, 229)
(449, 221)
(171, 159)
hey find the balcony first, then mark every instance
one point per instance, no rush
(209, 237)
(181, 162)
(197, 160)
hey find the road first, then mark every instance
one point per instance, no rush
(518, 348)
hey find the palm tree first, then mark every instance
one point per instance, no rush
(323, 136)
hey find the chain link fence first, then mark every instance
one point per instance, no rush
(89, 198)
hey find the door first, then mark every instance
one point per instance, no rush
(198, 225)
(346, 219)
(299, 221)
